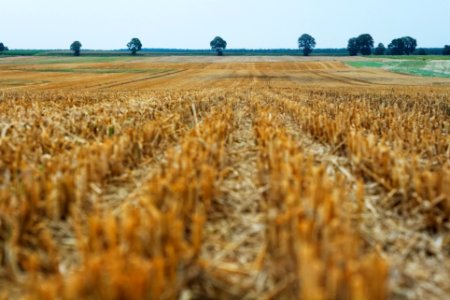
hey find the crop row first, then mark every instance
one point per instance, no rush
(62, 188)
(411, 161)
(311, 244)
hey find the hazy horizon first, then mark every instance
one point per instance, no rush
(251, 24)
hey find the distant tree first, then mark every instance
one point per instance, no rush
(352, 47)
(410, 44)
(218, 44)
(446, 50)
(306, 43)
(404, 45)
(134, 46)
(76, 48)
(422, 51)
(397, 47)
(365, 44)
(380, 49)
(2, 47)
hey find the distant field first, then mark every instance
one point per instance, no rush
(412, 57)
(49, 72)
(418, 66)
(101, 71)
(26, 60)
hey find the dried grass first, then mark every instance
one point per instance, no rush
(260, 193)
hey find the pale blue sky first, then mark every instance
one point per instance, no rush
(109, 24)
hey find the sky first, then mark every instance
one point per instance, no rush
(192, 24)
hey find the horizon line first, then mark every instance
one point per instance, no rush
(198, 49)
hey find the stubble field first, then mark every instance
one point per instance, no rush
(222, 178)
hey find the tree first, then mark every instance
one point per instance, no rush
(446, 50)
(306, 43)
(404, 45)
(352, 47)
(76, 48)
(365, 44)
(380, 49)
(134, 46)
(410, 44)
(397, 47)
(2, 47)
(218, 44)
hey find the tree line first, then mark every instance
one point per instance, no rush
(363, 44)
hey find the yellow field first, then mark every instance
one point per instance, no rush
(222, 178)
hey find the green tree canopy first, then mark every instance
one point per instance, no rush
(446, 50)
(218, 44)
(2, 47)
(397, 47)
(76, 48)
(352, 47)
(404, 45)
(365, 44)
(380, 49)
(410, 44)
(306, 43)
(134, 46)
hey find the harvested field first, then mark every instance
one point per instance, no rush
(222, 178)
